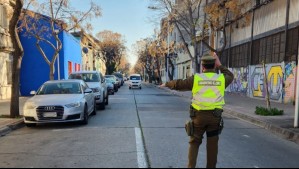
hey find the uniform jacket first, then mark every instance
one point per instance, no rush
(186, 85)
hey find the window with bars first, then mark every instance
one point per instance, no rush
(239, 55)
(292, 45)
(270, 49)
(224, 58)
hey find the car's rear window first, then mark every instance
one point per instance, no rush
(135, 78)
(86, 77)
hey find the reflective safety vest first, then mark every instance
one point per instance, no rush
(208, 91)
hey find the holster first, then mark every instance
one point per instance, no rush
(221, 126)
(218, 113)
(189, 126)
(192, 112)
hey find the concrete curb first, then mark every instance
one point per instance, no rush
(11, 127)
(277, 130)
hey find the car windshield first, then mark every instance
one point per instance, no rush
(60, 88)
(135, 78)
(86, 77)
(111, 77)
(119, 75)
(109, 80)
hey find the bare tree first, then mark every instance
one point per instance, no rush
(17, 59)
(49, 19)
(198, 20)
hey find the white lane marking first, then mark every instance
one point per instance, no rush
(141, 159)
(246, 136)
(256, 166)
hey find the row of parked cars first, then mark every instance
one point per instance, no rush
(72, 100)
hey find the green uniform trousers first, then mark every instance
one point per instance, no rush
(204, 122)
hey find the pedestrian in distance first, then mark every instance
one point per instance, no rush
(208, 89)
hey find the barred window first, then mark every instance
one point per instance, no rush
(270, 49)
(292, 45)
(239, 55)
(224, 58)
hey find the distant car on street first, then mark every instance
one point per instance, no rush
(96, 81)
(111, 86)
(120, 77)
(60, 101)
(135, 81)
(116, 79)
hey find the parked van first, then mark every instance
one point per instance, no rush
(97, 82)
(135, 81)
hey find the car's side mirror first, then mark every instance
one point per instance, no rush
(88, 91)
(33, 93)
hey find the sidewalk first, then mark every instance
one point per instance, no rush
(243, 108)
(8, 124)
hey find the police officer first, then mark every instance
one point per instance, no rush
(208, 91)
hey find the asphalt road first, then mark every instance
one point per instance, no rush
(141, 128)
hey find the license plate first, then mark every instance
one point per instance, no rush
(50, 114)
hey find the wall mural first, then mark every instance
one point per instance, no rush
(290, 82)
(275, 80)
(240, 83)
(281, 81)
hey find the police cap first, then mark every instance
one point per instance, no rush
(208, 59)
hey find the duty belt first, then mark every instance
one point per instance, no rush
(216, 112)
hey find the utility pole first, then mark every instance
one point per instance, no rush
(296, 121)
(167, 53)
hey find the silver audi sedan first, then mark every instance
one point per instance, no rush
(60, 101)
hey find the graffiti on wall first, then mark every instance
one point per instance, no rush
(240, 83)
(274, 78)
(290, 80)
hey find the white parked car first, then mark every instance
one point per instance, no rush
(135, 81)
(60, 101)
(97, 82)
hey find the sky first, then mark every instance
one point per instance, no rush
(131, 18)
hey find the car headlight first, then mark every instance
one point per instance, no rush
(30, 106)
(96, 90)
(73, 105)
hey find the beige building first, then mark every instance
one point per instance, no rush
(92, 58)
(6, 48)
(272, 37)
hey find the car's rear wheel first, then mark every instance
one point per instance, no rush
(85, 120)
(102, 105)
(30, 124)
(107, 100)
(94, 112)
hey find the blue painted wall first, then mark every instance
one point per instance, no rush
(71, 52)
(34, 69)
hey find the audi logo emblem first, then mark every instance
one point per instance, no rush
(49, 108)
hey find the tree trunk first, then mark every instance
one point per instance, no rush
(52, 70)
(17, 59)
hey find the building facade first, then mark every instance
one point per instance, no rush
(271, 37)
(34, 69)
(92, 58)
(6, 49)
